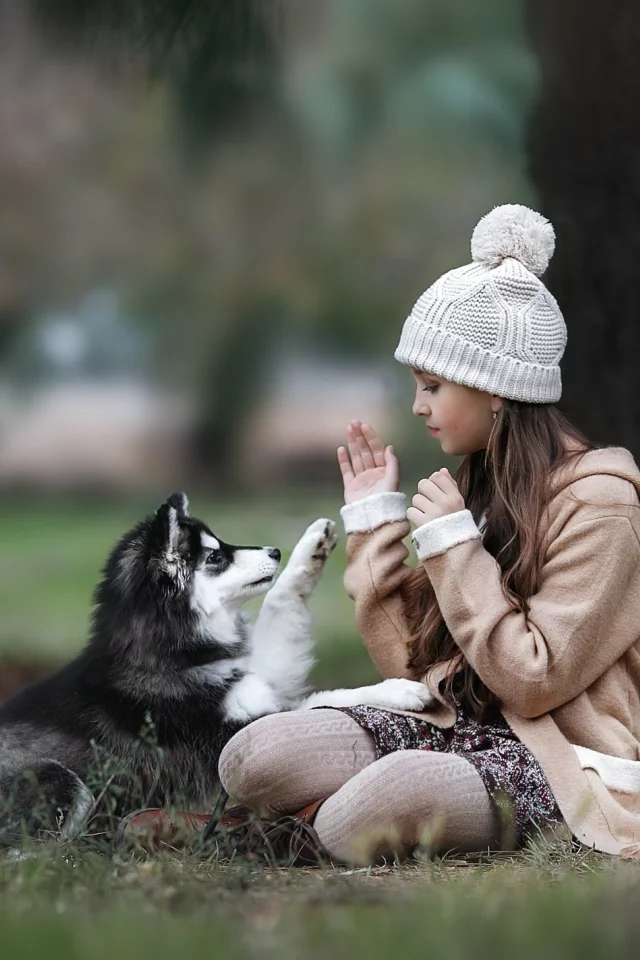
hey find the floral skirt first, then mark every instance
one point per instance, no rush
(510, 772)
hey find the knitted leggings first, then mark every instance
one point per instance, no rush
(282, 762)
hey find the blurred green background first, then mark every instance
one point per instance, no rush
(207, 251)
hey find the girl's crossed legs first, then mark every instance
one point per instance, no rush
(285, 761)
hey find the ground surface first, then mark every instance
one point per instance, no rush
(536, 905)
(75, 902)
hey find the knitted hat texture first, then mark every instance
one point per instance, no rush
(493, 324)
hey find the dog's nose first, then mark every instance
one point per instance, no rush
(275, 554)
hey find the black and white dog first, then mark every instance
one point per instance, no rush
(173, 668)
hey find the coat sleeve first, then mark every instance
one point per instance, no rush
(584, 617)
(376, 569)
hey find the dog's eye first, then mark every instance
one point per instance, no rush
(213, 557)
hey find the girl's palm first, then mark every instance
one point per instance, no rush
(367, 466)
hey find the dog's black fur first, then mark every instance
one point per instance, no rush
(172, 670)
(132, 706)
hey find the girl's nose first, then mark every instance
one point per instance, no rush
(420, 407)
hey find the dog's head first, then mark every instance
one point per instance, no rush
(176, 555)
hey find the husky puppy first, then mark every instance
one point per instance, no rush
(173, 668)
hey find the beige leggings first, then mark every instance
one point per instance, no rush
(280, 763)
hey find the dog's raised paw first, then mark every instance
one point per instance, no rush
(400, 694)
(310, 555)
(327, 540)
(317, 542)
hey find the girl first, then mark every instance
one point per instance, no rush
(521, 614)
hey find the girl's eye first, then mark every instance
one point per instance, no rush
(431, 389)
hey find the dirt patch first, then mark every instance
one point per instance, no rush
(14, 675)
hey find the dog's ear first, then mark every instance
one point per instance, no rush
(166, 530)
(180, 503)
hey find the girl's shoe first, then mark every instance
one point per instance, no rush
(155, 827)
(287, 841)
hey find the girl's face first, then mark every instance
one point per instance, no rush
(459, 417)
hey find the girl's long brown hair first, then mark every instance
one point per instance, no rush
(509, 481)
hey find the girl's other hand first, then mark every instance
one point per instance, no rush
(367, 466)
(437, 496)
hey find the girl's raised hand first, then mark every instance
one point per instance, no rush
(367, 466)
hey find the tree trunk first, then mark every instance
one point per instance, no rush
(584, 148)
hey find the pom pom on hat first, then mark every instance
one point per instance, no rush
(513, 230)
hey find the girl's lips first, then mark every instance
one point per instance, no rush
(432, 430)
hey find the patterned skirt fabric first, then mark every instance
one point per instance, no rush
(510, 772)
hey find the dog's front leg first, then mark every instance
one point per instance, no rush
(282, 644)
(392, 694)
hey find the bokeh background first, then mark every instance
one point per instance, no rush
(211, 232)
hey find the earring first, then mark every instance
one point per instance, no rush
(494, 415)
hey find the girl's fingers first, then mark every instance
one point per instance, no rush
(354, 449)
(375, 444)
(391, 465)
(443, 480)
(416, 517)
(345, 465)
(429, 489)
(365, 452)
(445, 471)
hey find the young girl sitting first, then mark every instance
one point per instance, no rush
(522, 614)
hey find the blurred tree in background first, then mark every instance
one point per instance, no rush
(247, 175)
(585, 159)
(219, 57)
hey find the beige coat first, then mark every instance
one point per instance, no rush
(568, 673)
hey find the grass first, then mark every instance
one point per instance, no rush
(73, 902)
(544, 903)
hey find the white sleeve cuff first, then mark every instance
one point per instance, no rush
(363, 516)
(437, 536)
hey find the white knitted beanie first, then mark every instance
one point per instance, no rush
(493, 324)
